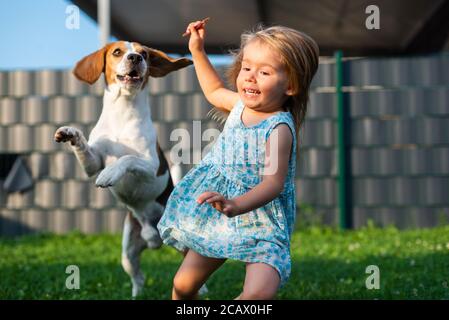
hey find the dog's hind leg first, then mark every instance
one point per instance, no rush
(132, 246)
(149, 220)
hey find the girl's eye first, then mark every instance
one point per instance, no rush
(264, 73)
(245, 68)
(117, 52)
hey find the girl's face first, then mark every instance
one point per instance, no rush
(262, 82)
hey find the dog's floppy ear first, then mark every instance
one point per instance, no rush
(161, 64)
(89, 68)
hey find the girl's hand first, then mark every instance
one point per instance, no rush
(219, 202)
(197, 34)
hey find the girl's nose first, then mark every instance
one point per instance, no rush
(250, 77)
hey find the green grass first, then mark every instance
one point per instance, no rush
(327, 264)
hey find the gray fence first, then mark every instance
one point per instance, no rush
(399, 109)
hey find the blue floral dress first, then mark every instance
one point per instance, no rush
(234, 165)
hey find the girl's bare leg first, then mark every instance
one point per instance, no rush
(192, 274)
(261, 282)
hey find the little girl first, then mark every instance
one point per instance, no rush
(239, 201)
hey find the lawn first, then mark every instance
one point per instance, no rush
(327, 264)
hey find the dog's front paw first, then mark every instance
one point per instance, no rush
(109, 176)
(65, 134)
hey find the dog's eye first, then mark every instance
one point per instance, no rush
(144, 55)
(117, 52)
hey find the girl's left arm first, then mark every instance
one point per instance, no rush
(277, 155)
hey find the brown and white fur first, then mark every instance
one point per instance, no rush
(122, 150)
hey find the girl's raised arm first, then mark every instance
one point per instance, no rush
(210, 82)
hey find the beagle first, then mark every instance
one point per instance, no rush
(122, 150)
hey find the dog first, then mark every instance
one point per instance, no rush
(122, 150)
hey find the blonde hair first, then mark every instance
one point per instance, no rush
(299, 53)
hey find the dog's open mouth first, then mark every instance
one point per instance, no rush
(131, 77)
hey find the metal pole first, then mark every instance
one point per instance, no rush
(104, 21)
(342, 147)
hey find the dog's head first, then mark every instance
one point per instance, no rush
(127, 64)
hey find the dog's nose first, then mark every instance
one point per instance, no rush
(134, 58)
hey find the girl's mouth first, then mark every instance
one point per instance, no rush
(251, 92)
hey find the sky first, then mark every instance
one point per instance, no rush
(34, 35)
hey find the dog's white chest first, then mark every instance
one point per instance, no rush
(125, 127)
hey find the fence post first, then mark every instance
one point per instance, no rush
(344, 152)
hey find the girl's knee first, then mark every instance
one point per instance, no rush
(184, 287)
(261, 282)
